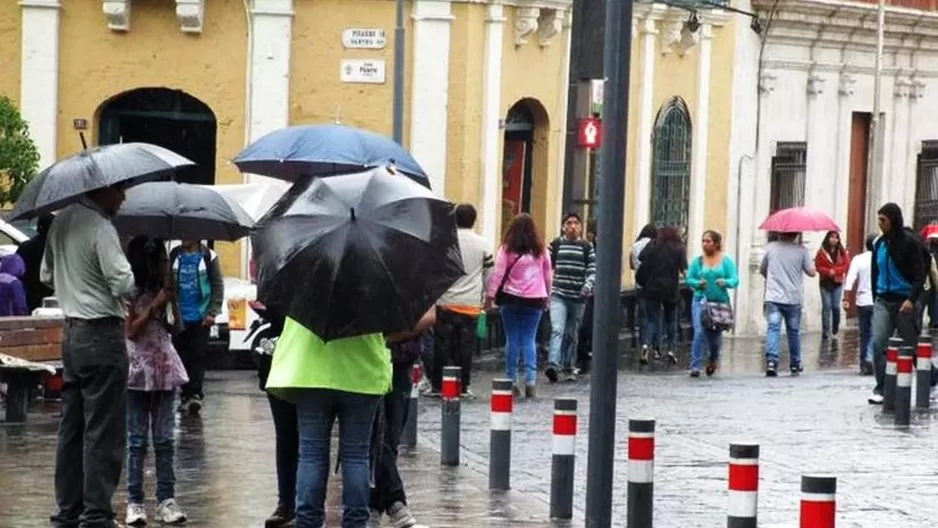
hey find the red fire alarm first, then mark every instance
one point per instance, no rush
(590, 133)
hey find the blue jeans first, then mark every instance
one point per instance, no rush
(660, 322)
(712, 339)
(520, 323)
(565, 318)
(317, 410)
(865, 316)
(146, 412)
(775, 313)
(830, 310)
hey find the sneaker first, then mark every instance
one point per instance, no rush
(529, 391)
(572, 376)
(468, 394)
(771, 369)
(694, 373)
(672, 359)
(424, 385)
(374, 519)
(517, 389)
(282, 516)
(194, 405)
(169, 512)
(644, 358)
(657, 354)
(875, 399)
(796, 369)
(400, 516)
(136, 515)
(711, 368)
(551, 373)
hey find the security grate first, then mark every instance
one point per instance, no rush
(672, 141)
(789, 167)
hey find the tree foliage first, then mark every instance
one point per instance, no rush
(19, 158)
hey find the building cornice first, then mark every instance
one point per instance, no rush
(839, 22)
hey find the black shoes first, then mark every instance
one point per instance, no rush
(282, 516)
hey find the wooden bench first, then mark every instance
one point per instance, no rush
(30, 351)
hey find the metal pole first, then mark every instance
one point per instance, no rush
(450, 422)
(875, 173)
(923, 372)
(602, 437)
(904, 386)
(563, 461)
(398, 111)
(502, 405)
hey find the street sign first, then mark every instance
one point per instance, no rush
(364, 38)
(590, 133)
(362, 71)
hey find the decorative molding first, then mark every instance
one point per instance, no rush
(40, 4)
(838, 67)
(670, 34)
(815, 84)
(549, 25)
(190, 14)
(526, 22)
(918, 89)
(117, 14)
(847, 84)
(901, 88)
(767, 83)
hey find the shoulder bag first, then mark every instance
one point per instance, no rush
(717, 316)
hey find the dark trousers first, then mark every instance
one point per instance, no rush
(584, 352)
(93, 427)
(386, 437)
(454, 343)
(288, 449)
(887, 319)
(191, 343)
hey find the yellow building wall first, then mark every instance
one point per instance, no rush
(317, 95)
(536, 72)
(464, 120)
(10, 37)
(721, 105)
(96, 64)
(633, 141)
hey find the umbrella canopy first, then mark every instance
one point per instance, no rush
(929, 232)
(356, 254)
(324, 150)
(68, 180)
(798, 219)
(181, 211)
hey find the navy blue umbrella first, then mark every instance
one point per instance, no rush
(325, 150)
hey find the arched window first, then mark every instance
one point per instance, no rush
(670, 169)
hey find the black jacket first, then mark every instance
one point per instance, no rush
(906, 252)
(659, 274)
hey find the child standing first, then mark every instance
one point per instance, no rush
(155, 373)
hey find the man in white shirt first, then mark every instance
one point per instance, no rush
(859, 275)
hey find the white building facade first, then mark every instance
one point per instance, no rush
(801, 129)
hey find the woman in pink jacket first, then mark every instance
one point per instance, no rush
(520, 285)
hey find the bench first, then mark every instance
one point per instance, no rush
(21, 378)
(30, 350)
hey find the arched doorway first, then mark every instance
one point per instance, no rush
(169, 118)
(671, 165)
(524, 162)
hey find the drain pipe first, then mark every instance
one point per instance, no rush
(739, 225)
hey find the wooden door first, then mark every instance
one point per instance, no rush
(859, 163)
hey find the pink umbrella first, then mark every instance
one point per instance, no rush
(798, 219)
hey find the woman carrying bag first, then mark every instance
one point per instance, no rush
(710, 276)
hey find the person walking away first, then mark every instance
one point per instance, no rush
(12, 294)
(662, 262)
(574, 267)
(521, 284)
(784, 266)
(710, 276)
(83, 262)
(931, 300)
(458, 310)
(31, 253)
(155, 373)
(388, 495)
(585, 341)
(897, 275)
(831, 262)
(200, 291)
(858, 278)
(646, 235)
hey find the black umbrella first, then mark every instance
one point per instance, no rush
(181, 211)
(357, 254)
(97, 168)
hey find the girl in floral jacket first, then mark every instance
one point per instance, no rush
(832, 262)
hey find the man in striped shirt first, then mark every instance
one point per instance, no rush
(574, 263)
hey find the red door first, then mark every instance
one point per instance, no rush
(512, 180)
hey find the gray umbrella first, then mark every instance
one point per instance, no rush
(181, 211)
(68, 180)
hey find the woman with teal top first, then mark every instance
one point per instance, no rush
(710, 276)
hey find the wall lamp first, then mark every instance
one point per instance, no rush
(693, 21)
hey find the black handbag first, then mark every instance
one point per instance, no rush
(500, 295)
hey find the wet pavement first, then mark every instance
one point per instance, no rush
(817, 423)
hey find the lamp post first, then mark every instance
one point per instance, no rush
(602, 427)
(397, 126)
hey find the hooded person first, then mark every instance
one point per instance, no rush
(12, 292)
(31, 251)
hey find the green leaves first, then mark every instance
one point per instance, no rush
(19, 158)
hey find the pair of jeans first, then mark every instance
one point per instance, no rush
(287, 431)
(386, 437)
(565, 318)
(150, 412)
(191, 343)
(703, 337)
(454, 343)
(887, 319)
(660, 324)
(93, 427)
(520, 324)
(317, 410)
(830, 310)
(775, 313)
(865, 316)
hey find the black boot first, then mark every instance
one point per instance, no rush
(282, 516)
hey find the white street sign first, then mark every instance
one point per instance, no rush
(364, 38)
(362, 71)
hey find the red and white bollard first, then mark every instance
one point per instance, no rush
(818, 501)
(923, 372)
(409, 434)
(743, 508)
(904, 386)
(563, 459)
(450, 422)
(641, 485)
(889, 382)
(500, 442)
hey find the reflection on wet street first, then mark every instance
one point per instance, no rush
(817, 423)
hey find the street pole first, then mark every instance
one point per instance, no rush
(602, 427)
(398, 105)
(875, 173)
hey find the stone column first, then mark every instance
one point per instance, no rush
(39, 75)
(845, 89)
(701, 131)
(646, 122)
(491, 118)
(430, 88)
(899, 186)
